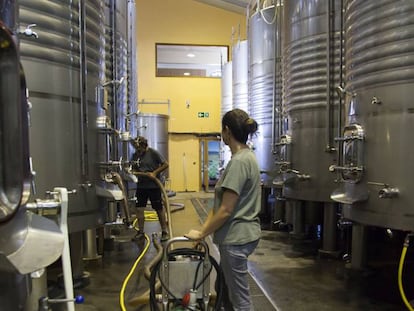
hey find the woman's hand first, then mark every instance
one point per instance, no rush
(194, 235)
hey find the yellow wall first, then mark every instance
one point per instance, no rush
(183, 22)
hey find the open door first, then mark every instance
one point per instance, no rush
(210, 162)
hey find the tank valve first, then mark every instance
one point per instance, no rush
(388, 193)
(375, 101)
(29, 31)
(45, 301)
(304, 177)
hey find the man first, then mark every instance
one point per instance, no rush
(151, 163)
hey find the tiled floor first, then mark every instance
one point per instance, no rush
(283, 279)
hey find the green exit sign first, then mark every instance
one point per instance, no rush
(203, 114)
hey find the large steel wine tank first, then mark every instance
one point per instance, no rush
(154, 127)
(226, 88)
(377, 168)
(64, 65)
(265, 84)
(240, 73)
(311, 65)
(226, 105)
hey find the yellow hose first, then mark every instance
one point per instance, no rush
(400, 270)
(131, 272)
(150, 216)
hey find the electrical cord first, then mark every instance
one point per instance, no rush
(400, 270)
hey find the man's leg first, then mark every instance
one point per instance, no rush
(162, 219)
(157, 205)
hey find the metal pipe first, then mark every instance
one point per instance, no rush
(114, 86)
(132, 81)
(83, 86)
(340, 89)
(273, 139)
(330, 16)
(165, 102)
(278, 36)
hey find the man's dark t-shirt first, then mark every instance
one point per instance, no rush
(149, 162)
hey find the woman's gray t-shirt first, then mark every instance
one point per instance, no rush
(242, 175)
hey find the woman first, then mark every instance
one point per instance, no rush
(234, 219)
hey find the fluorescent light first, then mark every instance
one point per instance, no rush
(190, 55)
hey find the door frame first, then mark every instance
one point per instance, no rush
(204, 160)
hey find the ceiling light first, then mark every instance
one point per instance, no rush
(190, 55)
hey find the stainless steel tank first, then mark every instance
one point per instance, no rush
(312, 71)
(377, 161)
(64, 63)
(226, 105)
(226, 88)
(240, 73)
(265, 83)
(13, 164)
(25, 236)
(154, 127)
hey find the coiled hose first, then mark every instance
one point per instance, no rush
(400, 271)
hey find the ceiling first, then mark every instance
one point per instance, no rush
(237, 6)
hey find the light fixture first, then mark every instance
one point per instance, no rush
(186, 73)
(190, 54)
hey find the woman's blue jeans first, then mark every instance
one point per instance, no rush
(233, 262)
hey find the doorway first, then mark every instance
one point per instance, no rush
(210, 162)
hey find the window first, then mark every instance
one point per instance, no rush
(183, 60)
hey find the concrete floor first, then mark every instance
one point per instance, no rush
(282, 278)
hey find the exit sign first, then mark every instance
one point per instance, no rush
(203, 114)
